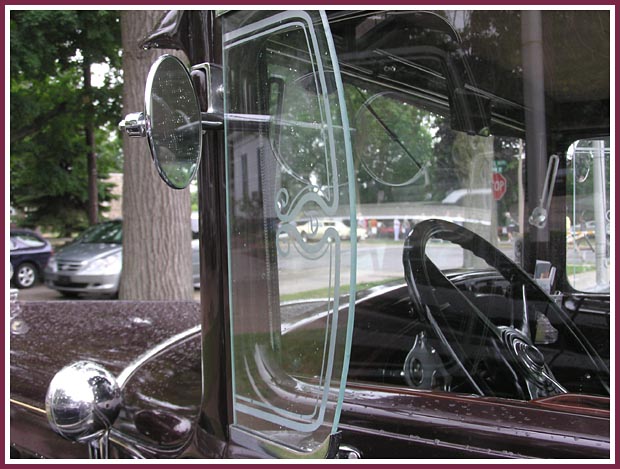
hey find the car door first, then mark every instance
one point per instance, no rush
(288, 161)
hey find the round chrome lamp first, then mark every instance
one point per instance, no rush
(83, 400)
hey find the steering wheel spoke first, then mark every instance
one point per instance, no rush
(499, 360)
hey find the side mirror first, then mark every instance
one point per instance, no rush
(83, 400)
(171, 122)
(582, 163)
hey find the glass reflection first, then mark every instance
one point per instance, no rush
(174, 128)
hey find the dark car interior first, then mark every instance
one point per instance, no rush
(496, 333)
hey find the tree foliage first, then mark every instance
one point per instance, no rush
(50, 106)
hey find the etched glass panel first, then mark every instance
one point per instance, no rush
(291, 243)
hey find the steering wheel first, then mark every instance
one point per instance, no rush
(495, 360)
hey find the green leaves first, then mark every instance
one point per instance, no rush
(50, 111)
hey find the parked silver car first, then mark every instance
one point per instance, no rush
(92, 263)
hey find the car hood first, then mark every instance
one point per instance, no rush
(79, 252)
(47, 336)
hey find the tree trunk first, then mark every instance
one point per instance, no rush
(91, 156)
(156, 219)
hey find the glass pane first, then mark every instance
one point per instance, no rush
(448, 171)
(415, 166)
(107, 232)
(588, 215)
(291, 241)
(175, 133)
(25, 240)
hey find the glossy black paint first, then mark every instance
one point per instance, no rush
(161, 415)
(391, 423)
(198, 34)
(46, 337)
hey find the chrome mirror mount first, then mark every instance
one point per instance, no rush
(83, 400)
(171, 121)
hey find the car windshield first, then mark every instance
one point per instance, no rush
(25, 240)
(107, 233)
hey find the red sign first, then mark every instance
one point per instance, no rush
(499, 186)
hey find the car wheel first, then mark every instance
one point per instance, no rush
(25, 275)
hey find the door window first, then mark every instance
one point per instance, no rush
(290, 201)
(448, 171)
(588, 215)
(24, 241)
(430, 217)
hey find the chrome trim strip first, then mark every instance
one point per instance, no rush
(274, 449)
(120, 440)
(152, 353)
(28, 406)
(115, 436)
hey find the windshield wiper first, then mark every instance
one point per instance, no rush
(389, 131)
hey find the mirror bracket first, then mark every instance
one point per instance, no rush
(180, 106)
(210, 78)
(206, 76)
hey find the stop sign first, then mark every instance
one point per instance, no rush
(499, 186)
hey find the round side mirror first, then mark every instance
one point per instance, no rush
(173, 121)
(82, 402)
(582, 163)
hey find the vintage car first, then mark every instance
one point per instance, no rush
(450, 343)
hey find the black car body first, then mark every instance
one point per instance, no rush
(30, 253)
(446, 344)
